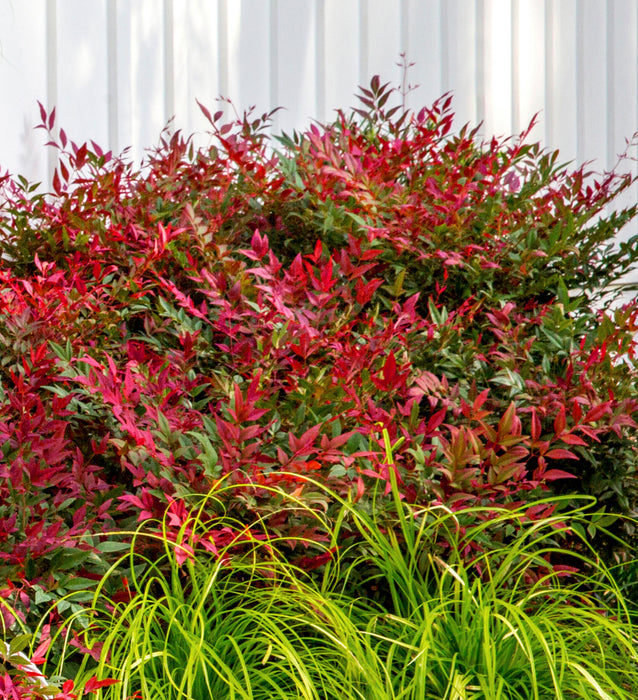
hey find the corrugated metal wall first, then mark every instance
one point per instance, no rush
(118, 69)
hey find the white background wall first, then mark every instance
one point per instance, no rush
(117, 70)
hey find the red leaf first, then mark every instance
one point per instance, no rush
(298, 445)
(536, 426)
(365, 290)
(80, 156)
(390, 369)
(310, 563)
(39, 655)
(259, 244)
(596, 413)
(542, 464)
(318, 252)
(435, 420)
(336, 442)
(327, 280)
(129, 383)
(559, 421)
(542, 510)
(577, 412)
(572, 439)
(205, 112)
(508, 423)
(96, 147)
(553, 474)
(480, 400)
(560, 453)
(57, 188)
(93, 685)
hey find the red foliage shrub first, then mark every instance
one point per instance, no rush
(237, 313)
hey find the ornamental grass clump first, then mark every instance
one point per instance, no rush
(398, 611)
(269, 313)
(510, 622)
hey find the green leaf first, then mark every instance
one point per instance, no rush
(563, 294)
(337, 471)
(19, 643)
(112, 546)
(209, 457)
(164, 425)
(64, 353)
(41, 596)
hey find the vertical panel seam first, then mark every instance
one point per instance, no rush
(52, 53)
(222, 48)
(404, 48)
(580, 81)
(52, 72)
(445, 46)
(320, 58)
(611, 106)
(515, 76)
(404, 20)
(274, 59)
(169, 61)
(549, 74)
(479, 57)
(364, 78)
(111, 76)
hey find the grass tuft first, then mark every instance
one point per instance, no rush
(453, 622)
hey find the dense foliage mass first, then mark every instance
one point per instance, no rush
(258, 312)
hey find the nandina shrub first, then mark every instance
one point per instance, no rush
(241, 313)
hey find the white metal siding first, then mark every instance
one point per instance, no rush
(117, 70)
